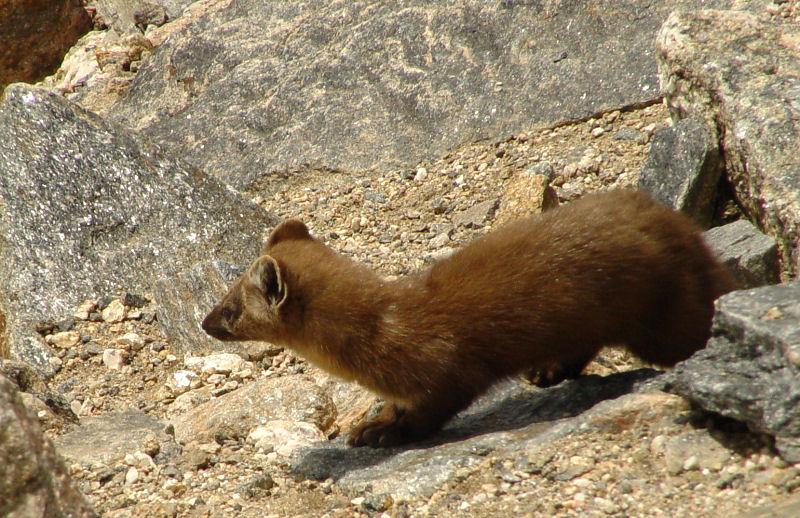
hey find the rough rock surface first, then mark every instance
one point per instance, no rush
(695, 450)
(89, 208)
(34, 481)
(751, 256)
(750, 370)
(505, 418)
(188, 297)
(790, 507)
(108, 438)
(262, 86)
(526, 195)
(739, 73)
(99, 68)
(234, 415)
(131, 16)
(35, 35)
(683, 169)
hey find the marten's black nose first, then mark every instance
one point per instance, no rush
(211, 326)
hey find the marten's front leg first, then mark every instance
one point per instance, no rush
(396, 425)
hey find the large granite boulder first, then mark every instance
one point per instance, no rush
(34, 480)
(750, 370)
(740, 73)
(35, 35)
(89, 209)
(265, 86)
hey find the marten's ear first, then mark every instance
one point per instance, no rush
(289, 229)
(265, 274)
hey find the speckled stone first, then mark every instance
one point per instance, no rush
(118, 214)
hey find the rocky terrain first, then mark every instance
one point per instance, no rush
(137, 180)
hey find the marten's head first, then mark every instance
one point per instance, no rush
(251, 310)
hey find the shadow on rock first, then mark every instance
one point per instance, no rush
(512, 406)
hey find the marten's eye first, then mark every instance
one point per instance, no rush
(228, 313)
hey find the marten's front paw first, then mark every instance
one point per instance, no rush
(382, 431)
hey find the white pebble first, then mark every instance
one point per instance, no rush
(131, 476)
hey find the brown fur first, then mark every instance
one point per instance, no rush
(543, 294)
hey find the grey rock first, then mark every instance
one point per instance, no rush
(185, 299)
(750, 369)
(683, 169)
(34, 479)
(132, 300)
(788, 506)
(751, 256)
(626, 133)
(107, 438)
(512, 419)
(439, 241)
(131, 16)
(476, 216)
(118, 214)
(264, 86)
(174, 8)
(741, 75)
(235, 414)
(707, 452)
(543, 168)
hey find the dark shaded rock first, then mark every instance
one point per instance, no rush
(626, 133)
(35, 35)
(751, 256)
(683, 169)
(264, 86)
(234, 415)
(65, 324)
(256, 485)
(185, 299)
(133, 300)
(750, 369)
(512, 418)
(28, 381)
(741, 75)
(33, 480)
(118, 214)
(107, 438)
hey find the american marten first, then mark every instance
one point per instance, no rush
(541, 295)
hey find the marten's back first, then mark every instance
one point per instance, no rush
(611, 268)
